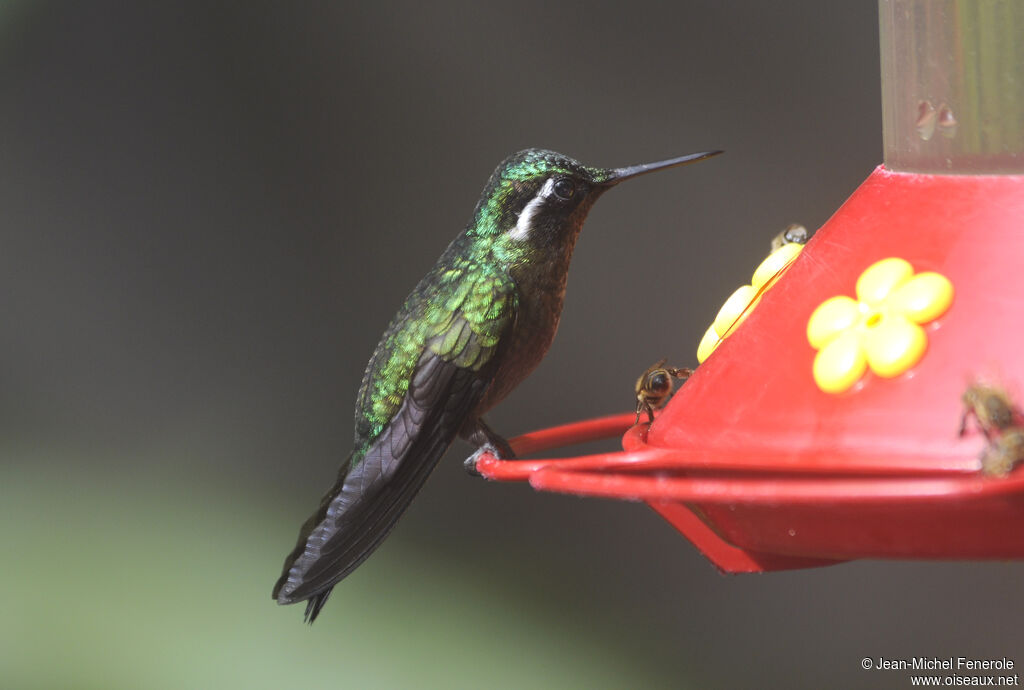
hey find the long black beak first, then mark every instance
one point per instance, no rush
(617, 175)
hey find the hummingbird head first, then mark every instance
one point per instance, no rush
(538, 199)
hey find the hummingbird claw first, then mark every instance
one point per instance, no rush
(487, 441)
(470, 466)
(470, 463)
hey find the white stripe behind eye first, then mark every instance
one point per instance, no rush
(525, 223)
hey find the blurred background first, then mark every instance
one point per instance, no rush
(211, 210)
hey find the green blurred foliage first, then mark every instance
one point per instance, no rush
(148, 582)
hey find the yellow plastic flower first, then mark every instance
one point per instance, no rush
(743, 301)
(881, 329)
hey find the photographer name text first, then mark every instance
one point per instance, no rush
(933, 663)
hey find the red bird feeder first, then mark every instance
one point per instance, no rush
(788, 448)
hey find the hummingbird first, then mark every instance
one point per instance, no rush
(473, 328)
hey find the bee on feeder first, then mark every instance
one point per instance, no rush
(997, 418)
(1004, 453)
(794, 233)
(654, 387)
(989, 406)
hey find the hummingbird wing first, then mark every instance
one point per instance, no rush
(456, 362)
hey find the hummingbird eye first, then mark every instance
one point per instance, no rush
(564, 188)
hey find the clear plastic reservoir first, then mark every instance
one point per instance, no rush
(953, 85)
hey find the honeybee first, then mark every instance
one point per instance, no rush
(793, 233)
(998, 418)
(1004, 453)
(654, 387)
(990, 407)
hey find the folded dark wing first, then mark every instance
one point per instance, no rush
(376, 486)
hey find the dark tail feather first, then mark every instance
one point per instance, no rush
(377, 484)
(315, 603)
(353, 519)
(308, 526)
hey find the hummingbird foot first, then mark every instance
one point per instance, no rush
(487, 441)
(470, 463)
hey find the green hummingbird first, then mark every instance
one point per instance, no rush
(474, 327)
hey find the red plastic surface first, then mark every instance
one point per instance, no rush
(761, 470)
